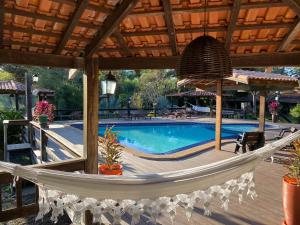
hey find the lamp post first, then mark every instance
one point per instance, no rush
(108, 86)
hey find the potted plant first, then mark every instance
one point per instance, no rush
(291, 188)
(111, 150)
(273, 108)
(43, 113)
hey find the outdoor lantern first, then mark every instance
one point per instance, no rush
(108, 85)
(35, 78)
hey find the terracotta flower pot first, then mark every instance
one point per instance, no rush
(291, 200)
(115, 169)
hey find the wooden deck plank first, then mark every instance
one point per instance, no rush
(266, 209)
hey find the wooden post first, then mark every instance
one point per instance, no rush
(262, 109)
(43, 144)
(90, 120)
(5, 152)
(90, 114)
(17, 101)
(28, 93)
(218, 114)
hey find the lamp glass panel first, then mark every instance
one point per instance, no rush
(111, 87)
(103, 87)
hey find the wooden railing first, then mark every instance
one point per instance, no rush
(21, 210)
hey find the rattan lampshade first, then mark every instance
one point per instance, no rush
(205, 58)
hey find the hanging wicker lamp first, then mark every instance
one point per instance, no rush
(205, 58)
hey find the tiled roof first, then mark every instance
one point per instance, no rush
(257, 75)
(250, 79)
(39, 25)
(14, 87)
(11, 87)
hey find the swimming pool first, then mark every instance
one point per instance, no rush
(167, 138)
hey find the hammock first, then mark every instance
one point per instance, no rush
(150, 193)
(199, 108)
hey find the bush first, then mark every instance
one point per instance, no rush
(295, 112)
(15, 133)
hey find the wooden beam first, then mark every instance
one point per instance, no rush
(211, 29)
(293, 5)
(81, 5)
(110, 25)
(123, 45)
(218, 115)
(232, 24)
(294, 31)
(90, 115)
(262, 110)
(92, 7)
(171, 62)
(160, 47)
(1, 22)
(170, 25)
(39, 59)
(210, 8)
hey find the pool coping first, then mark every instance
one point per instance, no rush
(182, 153)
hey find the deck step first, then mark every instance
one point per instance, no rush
(14, 147)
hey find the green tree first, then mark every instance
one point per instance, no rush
(295, 112)
(4, 75)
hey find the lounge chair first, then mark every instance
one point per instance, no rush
(285, 131)
(252, 140)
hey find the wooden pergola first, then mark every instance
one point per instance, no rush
(136, 34)
(252, 81)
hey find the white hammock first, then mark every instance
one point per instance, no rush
(151, 193)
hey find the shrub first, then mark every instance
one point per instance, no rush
(111, 148)
(43, 108)
(295, 112)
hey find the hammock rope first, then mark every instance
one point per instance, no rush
(155, 194)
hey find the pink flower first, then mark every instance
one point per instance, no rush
(44, 108)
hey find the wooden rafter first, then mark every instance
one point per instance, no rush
(232, 24)
(170, 25)
(120, 39)
(92, 7)
(212, 8)
(81, 5)
(210, 29)
(110, 25)
(294, 31)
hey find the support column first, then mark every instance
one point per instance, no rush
(28, 85)
(90, 114)
(262, 110)
(28, 93)
(218, 114)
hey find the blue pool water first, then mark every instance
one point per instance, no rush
(166, 138)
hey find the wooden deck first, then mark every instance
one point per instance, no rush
(266, 209)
